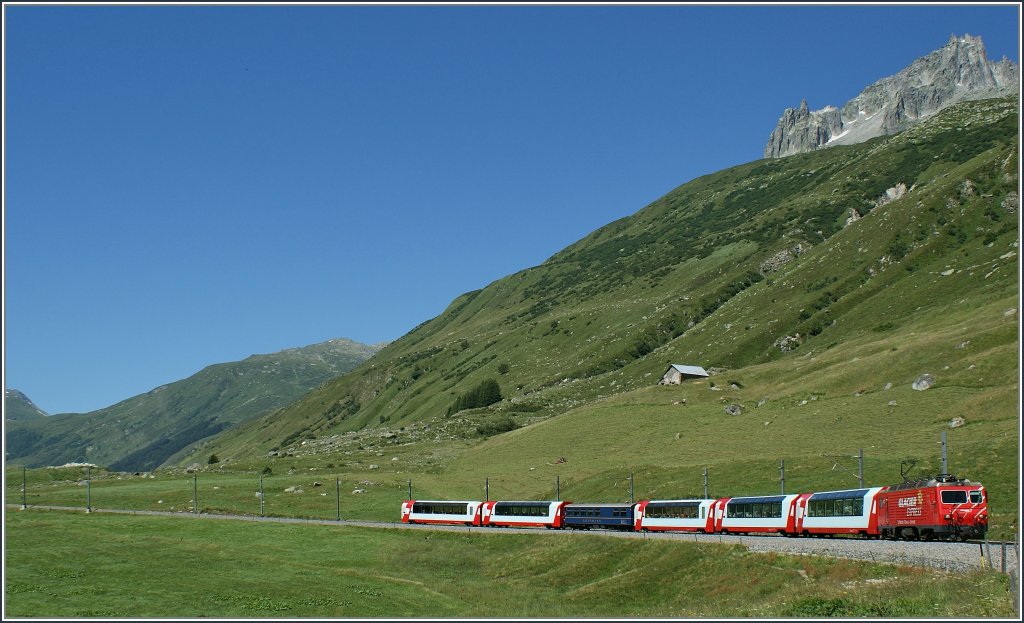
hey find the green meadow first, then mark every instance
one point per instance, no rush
(98, 565)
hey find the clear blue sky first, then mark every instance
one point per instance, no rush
(189, 185)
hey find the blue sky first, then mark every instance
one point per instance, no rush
(189, 185)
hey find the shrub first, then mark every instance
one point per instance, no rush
(496, 426)
(213, 459)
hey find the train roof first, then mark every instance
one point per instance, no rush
(840, 495)
(934, 481)
(682, 501)
(538, 502)
(760, 499)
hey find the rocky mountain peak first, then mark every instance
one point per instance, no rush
(18, 406)
(957, 72)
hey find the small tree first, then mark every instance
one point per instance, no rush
(213, 459)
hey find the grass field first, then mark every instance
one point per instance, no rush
(62, 564)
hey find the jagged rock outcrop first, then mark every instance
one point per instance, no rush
(958, 72)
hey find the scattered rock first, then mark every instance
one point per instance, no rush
(358, 491)
(923, 382)
(788, 343)
(1010, 312)
(956, 422)
(947, 273)
(316, 483)
(734, 409)
(374, 466)
(892, 194)
(962, 345)
(780, 259)
(888, 386)
(892, 403)
(293, 489)
(762, 401)
(1011, 202)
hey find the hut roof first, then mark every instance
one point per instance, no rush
(690, 370)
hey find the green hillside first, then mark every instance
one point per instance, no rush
(145, 431)
(754, 268)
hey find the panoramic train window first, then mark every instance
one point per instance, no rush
(954, 497)
(688, 511)
(441, 509)
(754, 510)
(849, 507)
(976, 497)
(521, 510)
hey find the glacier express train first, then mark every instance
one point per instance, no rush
(939, 507)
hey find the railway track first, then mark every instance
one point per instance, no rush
(950, 556)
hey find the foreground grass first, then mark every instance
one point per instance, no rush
(76, 565)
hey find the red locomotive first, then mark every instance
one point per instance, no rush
(939, 507)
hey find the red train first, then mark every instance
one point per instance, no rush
(940, 507)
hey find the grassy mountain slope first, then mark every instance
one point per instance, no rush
(145, 431)
(17, 406)
(746, 267)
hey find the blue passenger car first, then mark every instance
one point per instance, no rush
(586, 516)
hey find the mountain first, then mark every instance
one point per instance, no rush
(17, 406)
(760, 264)
(145, 431)
(957, 72)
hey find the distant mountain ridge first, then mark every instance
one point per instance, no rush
(18, 406)
(143, 432)
(958, 72)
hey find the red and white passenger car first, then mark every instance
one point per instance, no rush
(697, 515)
(852, 511)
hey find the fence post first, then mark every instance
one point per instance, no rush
(88, 489)
(195, 494)
(1003, 566)
(337, 495)
(24, 487)
(988, 553)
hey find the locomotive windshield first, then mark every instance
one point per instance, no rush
(954, 497)
(976, 497)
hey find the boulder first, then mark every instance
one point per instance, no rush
(734, 409)
(923, 382)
